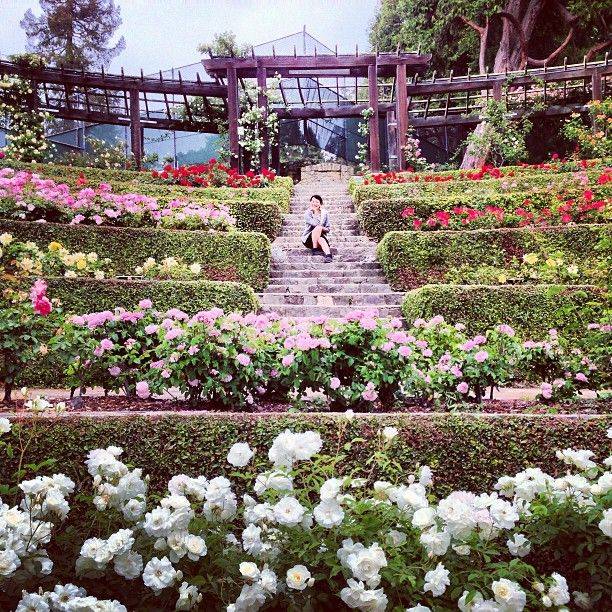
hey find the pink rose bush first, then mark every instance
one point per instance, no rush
(287, 528)
(357, 361)
(27, 196)
(28, 320)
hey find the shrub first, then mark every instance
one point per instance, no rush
(413, 259)
(532, 309)
(377, 217)
(550, 169)
(520, 182)
(235, 256)
(126, 181)
(308, 532)
(87, 294)
(359, 362)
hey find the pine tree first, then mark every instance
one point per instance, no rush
(74, 33)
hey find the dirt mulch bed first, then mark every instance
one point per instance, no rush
(93, 404)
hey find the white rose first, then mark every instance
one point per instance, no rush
(298, 578)
(388, 433)
(436, 580)
(159, 574)
(509, 594)
(249, 570)
(240, 454)
(5, 425)
(288, 511)
(329, 514)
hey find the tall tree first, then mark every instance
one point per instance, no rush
(224, 44)
(75, 33)
(500, 34)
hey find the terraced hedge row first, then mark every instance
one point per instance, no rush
(82, 295)
(531, 309)
(255, 209)
(466, 452)
(233, 256)
(560, 170)
(377, 217)
(412, 259)
(523, 182)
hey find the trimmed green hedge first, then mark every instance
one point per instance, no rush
(531, 309)
(377, 217)
(413, 259)
(357, 181)
(234, 256)
(124, 181)
(82, 295)
(523, 182)
(467, 452)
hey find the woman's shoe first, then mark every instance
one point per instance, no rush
(328, 259)
(317, 252)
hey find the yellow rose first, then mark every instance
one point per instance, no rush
(530, 258)
(81, 264)
(502, 278)
(6, 239)
(551, 263)
(55, 246)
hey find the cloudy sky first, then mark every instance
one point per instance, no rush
(164, 33)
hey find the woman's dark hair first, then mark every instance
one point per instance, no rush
(317, 197)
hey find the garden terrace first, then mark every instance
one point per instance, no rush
(484, 209)
(412, 259)
(468, 452)
(234, 256)
(531, 309)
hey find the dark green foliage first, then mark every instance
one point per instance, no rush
(531, 309)
(235, 256)
(82, 295)
(465, 451)
(412, 259)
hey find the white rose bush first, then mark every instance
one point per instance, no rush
(283, 529)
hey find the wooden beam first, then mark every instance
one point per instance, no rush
(401, 113)
(136, 128)
(374, 119)
(262, 102)
(596, 86)
(232, 117)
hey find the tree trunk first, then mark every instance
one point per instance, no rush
(509, 57)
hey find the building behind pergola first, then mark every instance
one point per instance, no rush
(376, 81)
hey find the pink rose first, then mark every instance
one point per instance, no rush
(288, 360)
(142, 390)
(462, 387)
(145, 304)
(334, 383)
(243, 359)
(481, 356)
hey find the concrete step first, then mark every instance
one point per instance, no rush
(313, 264)
(295, 277)
(305, 285)
(346, 240)
(336, 299)
(301, 311)
(341, 217)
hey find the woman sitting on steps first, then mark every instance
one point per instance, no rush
(316, 232)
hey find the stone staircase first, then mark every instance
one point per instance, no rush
(302, 285)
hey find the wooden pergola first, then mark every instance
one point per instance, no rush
(316, 70)
(311, 87)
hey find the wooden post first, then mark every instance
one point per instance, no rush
(392, 140)
(232, 116)
(275, 157)
(596, 85)
(401, 113)
(374, 119)
(135, 128)
(262, 102)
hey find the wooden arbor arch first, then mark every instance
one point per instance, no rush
(308, 72)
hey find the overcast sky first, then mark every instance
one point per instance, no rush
(164, 33)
